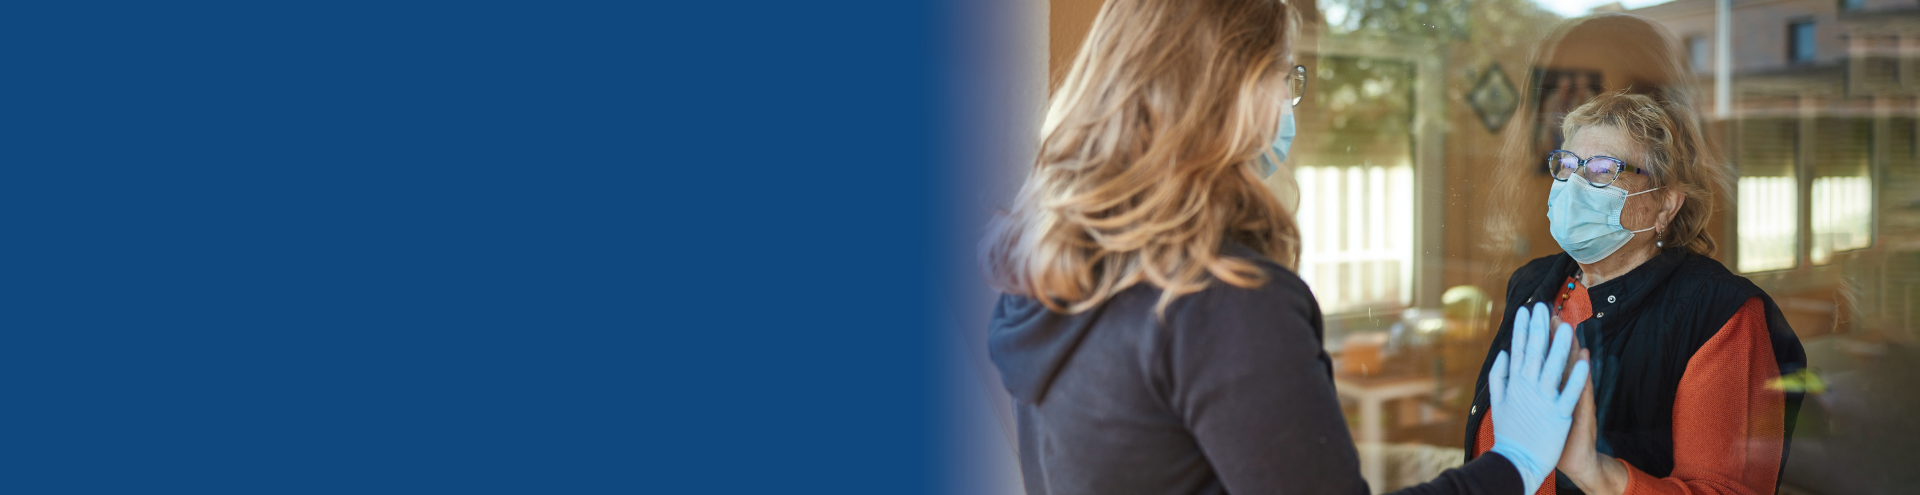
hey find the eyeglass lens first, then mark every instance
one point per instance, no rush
(1599, 170)
(1297, 83)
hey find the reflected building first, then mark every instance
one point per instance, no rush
(1822, 130)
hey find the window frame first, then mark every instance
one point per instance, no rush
(1795, 39)
(1700, 58)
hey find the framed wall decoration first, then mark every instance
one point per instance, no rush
(1493, 98)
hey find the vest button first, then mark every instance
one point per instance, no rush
(1473, 409)
(1609, 298)
(1599, 315)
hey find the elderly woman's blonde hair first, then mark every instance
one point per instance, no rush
(1676, 157)
(1642, 59)
(1146, 161)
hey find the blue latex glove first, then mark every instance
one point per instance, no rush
(1531, 414)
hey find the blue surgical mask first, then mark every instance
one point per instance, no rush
(1585, 220)
(1281, 143)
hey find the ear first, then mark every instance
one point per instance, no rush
(1670, 204)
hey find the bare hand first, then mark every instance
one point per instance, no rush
(1582, 462)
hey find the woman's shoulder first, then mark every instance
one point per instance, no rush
(1283, 290)
(1283, 309)
(1702, 294)
(1281, 280)
(1708, 285)
(1706, 270)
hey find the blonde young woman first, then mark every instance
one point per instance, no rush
(1152, 332)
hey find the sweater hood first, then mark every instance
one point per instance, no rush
(1029, 343)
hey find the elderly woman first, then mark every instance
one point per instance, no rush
(1682, 349)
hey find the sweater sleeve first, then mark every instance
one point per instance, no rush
(1490, 473)
(1727, 425)
(1246, 372)
(1483, 445)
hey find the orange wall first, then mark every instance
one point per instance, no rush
(1067, 25)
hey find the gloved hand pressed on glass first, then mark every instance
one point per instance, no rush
(1531, 413)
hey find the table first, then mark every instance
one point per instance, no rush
(1371, 393)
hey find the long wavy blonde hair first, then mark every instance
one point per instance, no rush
(1147, 157)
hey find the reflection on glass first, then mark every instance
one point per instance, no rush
(1356, 225)
(1356, 185)
(1842, 216)
(1768, 223)
(1700, 53)
(1800, 42)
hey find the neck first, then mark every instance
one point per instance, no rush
(1621, 262)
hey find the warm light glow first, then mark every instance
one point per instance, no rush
(1769, 223)
(1356, 229)
(1842, 216)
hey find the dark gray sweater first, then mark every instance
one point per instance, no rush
(1232, 393)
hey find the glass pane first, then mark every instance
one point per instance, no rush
(1700, 52)
(1802, 41)
(1768, 228)
(1842, 194)
(1842, 216)
(1356, 185)
(1767, 223)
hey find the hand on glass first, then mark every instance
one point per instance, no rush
(1592, 471)
(1532, 413)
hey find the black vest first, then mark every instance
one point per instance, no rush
(1646, 325)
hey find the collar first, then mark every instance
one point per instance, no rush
(1620, 298)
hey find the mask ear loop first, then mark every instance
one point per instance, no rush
(1656, 242)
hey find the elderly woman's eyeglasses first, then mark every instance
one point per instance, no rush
(1600, 171)
(1297, 83)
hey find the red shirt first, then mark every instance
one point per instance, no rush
(1727, 425)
